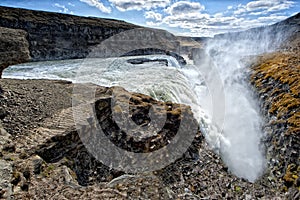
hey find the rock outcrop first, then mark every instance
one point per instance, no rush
(153, 51)
(43, 157)
(138, 61)
(14, 48)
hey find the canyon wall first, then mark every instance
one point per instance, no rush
(55, 36)
(28, 35)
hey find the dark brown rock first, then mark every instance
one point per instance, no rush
(14, 47)
(54, 36)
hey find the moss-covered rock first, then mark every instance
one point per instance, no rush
(276, 77)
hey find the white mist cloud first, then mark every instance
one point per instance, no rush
(98, 4)
(126, 5)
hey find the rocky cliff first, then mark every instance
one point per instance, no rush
(14, 47)
(54, 36)
(276, 79)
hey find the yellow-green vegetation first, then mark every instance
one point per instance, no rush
(283, 69)
(276, 77)
(48, 170)
(238, 189)
(292, 174)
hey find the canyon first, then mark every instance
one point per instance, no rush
(42, 154)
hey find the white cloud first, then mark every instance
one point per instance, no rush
(70, 4)
(126, 5)
(181, 7)
(271, 19)
(203, 24)
(253, 14)
(153, 24)
(263, 7)
(186, 19)
(98, 4)
(260, 4)
(63, 8)
(153, 15)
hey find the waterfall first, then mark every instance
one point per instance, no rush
(213, 87)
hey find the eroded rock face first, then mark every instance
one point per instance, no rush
(14, 48)
(276, 78)
(54, 36)
(138, 61)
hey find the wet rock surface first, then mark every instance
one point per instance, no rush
(50, 161)
(154, 51)
(138, 61)
(42, 156)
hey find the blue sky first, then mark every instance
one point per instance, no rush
(190, 17)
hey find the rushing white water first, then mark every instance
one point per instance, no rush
(202, 86)
(242, 125)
